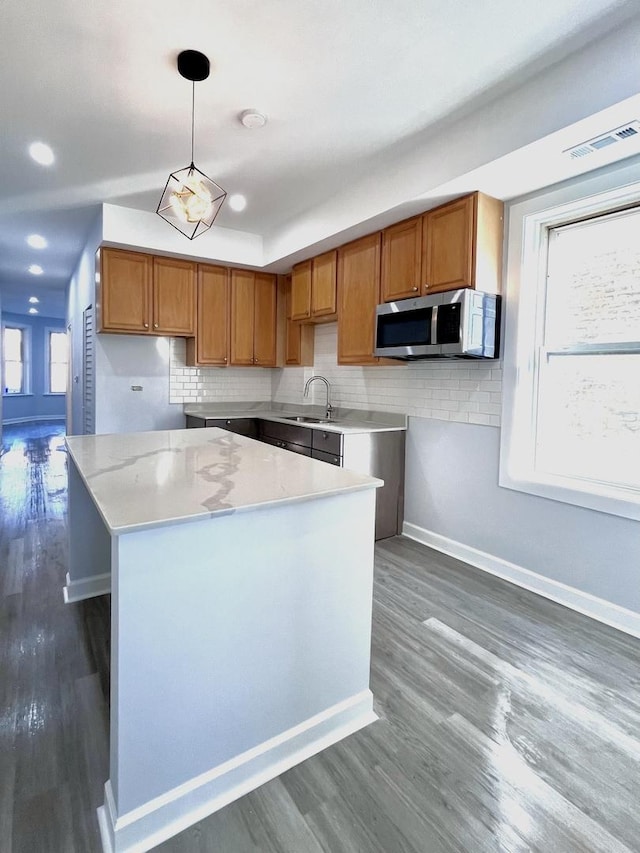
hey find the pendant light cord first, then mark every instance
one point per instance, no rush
(193, 113)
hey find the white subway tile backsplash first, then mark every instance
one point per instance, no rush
(207, 384)
(462, 391)
(458, 391)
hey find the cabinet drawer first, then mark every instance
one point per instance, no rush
(329, 442)
(331, 458)
(241, 426)
(286, 432)
(286, 445)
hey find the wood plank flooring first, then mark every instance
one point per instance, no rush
(508, 723)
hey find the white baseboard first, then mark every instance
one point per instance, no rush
(152, 823)
(77, 590)
(33, 419)
(582, 602)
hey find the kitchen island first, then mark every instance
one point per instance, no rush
(241, 580)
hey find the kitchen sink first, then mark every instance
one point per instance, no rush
(303, 419)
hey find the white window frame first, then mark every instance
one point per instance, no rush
(26, 359)
(47, 359)
(526, 270)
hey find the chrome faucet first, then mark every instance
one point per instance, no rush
(329, 409)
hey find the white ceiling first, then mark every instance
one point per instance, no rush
(344, 85)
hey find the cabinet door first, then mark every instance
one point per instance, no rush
(449, 245)
(298, 337)
(212, 327)
(264, 341)
(323, 285)
(125, 291)
(358, 296)
(174, 297)
(242, 287)
(401, 260)
(301, 291)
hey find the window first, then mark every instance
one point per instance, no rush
(572, 398)
(58, 357)
(15, 360)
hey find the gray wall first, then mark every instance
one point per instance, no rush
(452, 490)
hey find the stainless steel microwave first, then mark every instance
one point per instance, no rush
(455, 324)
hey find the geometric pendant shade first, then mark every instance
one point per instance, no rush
(191, 201)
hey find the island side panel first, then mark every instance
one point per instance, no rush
(89, 543)
(241, 645)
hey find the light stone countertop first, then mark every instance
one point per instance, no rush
(346, 421)
(151, 479)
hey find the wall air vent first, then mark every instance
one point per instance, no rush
(625, 131)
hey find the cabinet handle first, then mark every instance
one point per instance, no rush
(155, 325)
(228, 423)
(414, 289)
(225, 359)
(146, 325)
(255, 361)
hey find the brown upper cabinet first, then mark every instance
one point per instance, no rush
(142, 294)
(462, 245)
(324, 271)
(298, 337)
(301, 291)
(174, 297)
(210, 346)
(313, 289)
(456, 245)
(253, 318)
(358, 296)
(402, 260)
(264, 313)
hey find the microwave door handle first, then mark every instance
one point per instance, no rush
(434, 324)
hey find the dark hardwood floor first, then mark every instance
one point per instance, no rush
(508, 723)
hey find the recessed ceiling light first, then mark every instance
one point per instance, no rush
(41, 153)
(33, 310)
(36, 269)
(37, 241)
(253, 119)
(34, 300)
(237, 202)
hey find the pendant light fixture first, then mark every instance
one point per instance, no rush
(191, 200)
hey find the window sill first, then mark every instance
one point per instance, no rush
(54, 393)
(8, 396)
(621, 502)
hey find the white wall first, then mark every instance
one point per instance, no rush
(144, 230)
(126, 360)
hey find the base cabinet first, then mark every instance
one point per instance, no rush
(378, 454)
(241, 426)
